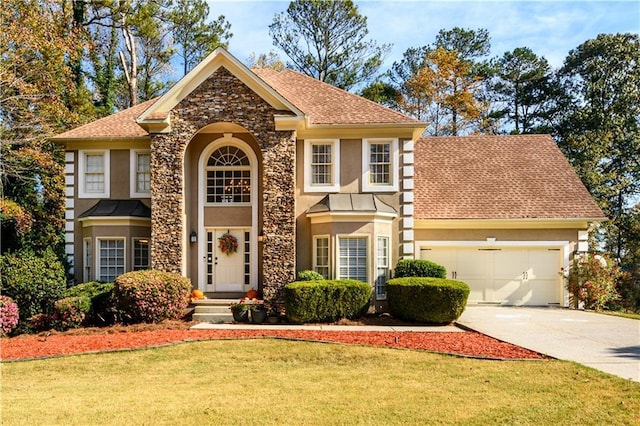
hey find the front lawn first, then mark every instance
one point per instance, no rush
(284, 382)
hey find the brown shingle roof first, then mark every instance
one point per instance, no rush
(119, 125)
(497, 177)
(326, 104)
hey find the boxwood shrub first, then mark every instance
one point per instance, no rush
(326, 300)
(427, 300)
(151, 296)
(102, 309)
(309, 275)
(419, 268)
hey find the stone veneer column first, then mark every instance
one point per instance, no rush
(224, 98)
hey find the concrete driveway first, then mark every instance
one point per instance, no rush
(607, 343)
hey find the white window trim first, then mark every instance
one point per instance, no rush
(315, 253)
(335, 162)
(86, 275)
(337, 255)
(133, 252)
(377, 266)
(133, 174)
(82, 193)
(393, 168)
(97, 256)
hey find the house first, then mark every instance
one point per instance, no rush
(296, 174)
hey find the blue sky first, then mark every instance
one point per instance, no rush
(550, 28)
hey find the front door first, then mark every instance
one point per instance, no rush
(227, 270)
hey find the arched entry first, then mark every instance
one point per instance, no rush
(227, 216)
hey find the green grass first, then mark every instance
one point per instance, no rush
(289, 383)
(623, 314)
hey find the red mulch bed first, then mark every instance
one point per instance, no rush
(91, 340)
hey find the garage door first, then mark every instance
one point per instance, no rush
(506, 275)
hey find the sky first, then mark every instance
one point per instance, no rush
(550, 28)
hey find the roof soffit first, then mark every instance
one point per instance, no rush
(157, 117)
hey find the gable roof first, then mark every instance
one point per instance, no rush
(327, 104)
(497, 177)
(122, 124)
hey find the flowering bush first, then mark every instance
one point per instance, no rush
(151, 296)
(248, 304)
(70, 312)
(227, 243)
(592, 281)
(9, 315)
(103, 310)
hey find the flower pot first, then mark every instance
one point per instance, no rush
(258, 316)
(240, 315)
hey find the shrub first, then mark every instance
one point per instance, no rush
(9, 315)
(151, 296)
(419, 268)
(33, 282)
(428, 300)
(592, 281)
(308, 275)
(70, 312)
(326, 300)
(103, 308)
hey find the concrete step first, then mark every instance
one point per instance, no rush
(214, 318)
(212, 309)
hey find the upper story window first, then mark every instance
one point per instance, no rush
(379, 165)
(321, 165)
(93, 169)
(140, 173)
(228, 172)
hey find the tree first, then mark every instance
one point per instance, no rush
(523, 86)
(38, 97)
(445, 81)
(266, 60)
(470, 45)
(326, 40)
(600, 130)
(195, 36)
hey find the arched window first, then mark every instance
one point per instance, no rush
(228, 176)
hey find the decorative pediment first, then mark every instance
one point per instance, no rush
(157, 119)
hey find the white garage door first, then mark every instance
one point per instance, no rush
(506, 275)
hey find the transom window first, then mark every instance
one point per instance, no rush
(352, 259)
(228, 174)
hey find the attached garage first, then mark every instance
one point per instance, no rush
(503, 274)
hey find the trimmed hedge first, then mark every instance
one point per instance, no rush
(151, 296)
(326, 300)
(33, 281)
(70, 312)
(427, 300)
(419, 268)
(103, 306)
(309, 275)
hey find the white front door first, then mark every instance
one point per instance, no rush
(227, 271)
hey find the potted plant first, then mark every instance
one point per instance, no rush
(240, 311)
(258, 311)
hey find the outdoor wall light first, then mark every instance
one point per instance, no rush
(193, 237)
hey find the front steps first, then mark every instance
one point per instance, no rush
(215, 311)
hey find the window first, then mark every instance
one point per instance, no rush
(88, 260)
(94, 174)
(380, 165)
(111, 259)
(321, 256)
(247, 258)
(352, 258)
(140, 173)
(322, 165)
(382, 267)
(228, 174)
(140, 254)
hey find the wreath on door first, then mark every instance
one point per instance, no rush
(227, 243)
